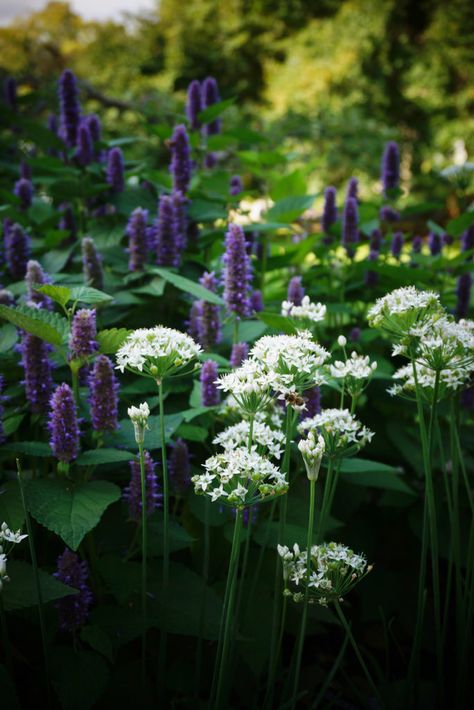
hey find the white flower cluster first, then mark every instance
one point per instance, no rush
(342, 432)
(249, 384)
(452, 379)
(14, 538)
(139, 416)
(314, 312)
(312, 449)
(157, 352)
(357, 367)
(262, 435)
(240, 478)
(334, 571)
(402, 308)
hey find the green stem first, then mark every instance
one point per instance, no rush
(162, 652)
(205, 576)
(328, 496)
(331, 674)
(235, 335)
(6, 638)
(75, 384)
(144, 560)
(264, 263)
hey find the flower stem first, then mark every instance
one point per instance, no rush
(162, 653)
(6, 638)
(144, 560)
(328, 496)
(205, 577)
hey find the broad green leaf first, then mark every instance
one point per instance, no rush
(111, 340)
(20, 591)
(29, 448)
(44, 324)
(8, 337)
(95, 457)
(206, 210)
(192, 432)
(216, 515)
(126, 437)
(59, 294)
(98, 640)
(69, 510)
(212, 112)
(79, 677)
(456, 227)
(289, 208)
(188, 286)
(87, 294)
(155, 287)
(290, 185)
(11, 507)
(56, 259)
(179, 538)
(274, 320)
(361, 472)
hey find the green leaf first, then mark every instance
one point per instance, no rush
(179, 538)
(456, 227)
(372, 473)
(59, 294)
(268, 533)
(70, 511)
(126, 436)
(79, 677)
(290, 185)
(20, 591)
(11, 507)
(8, 338)
(274, 320)
(29, 448)
(95, 457)
(87, 294)
(45, 325)
(191, 432)
(56, 259)
(98, 640)
(189, 286)
(217, 515)
(111, 340)
(212, 112)
(289, 208)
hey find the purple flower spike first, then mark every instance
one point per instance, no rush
(236, 186)
(397, 244)
(210, 161)
(92, 264)
(25, 170)
(313, 402)
(352, 189)
(354, 335)
(193, 322)
(390, 173)
(53, 124)
(24, 191)
(68, 222)
(350, 223)
(9, 92)
(35, 276)
(372, 277)
(467, 239)
(17, 251)
(375, 240)
(210, 395)
(133, 492)
(74, 609)
(329, 212)
(388, 214)
(137, 239)
(210, 96)
(63, 426)
(180, 220)
(209, 327)
(70, 108)
(447, 239)
(166, 239)
(180, 467)
(115, 170)
(463, 293)
(37, 368)
(93, 124)
(82, 342)
(295, 291)
(256, 301)
(237, 272)
(435, 243)
(238, 354)
(85, 147)
(194, 105)
(180, 166)
(416, 244)
(103, 388)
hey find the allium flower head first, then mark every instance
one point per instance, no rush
(330, 210)
(17, 251)
(265, 439)
(350, 225)
(209, 326)
(356, 372)
(133, 492)
(343, 434)
(137, 239)
(70, 108)
(238, 354)
(180, 166)
(312, 450)
(236, 186)
(250, 386)
(35, 276)
(240, 478)
(11, 536)
(314, 312)
(63, 425)
(194, 104)
(103, 400)
(139, 418)
(398, 311)
(180, 466)
(92, 264)
(167, 241)
(210, 96)
(390, 172)
(74, 609)
(237, 272)
(37, 368)
(210, 395)
(115, 170)
(24, 191)
(295, 291)
(82, 341)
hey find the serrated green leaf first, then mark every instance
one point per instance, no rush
(192, 432)
(79, 677)
(20, 591)
(59, 294)
(289, 208)
(111, 340)
(212, 112)
(11, 506)
(98, 640)
(29, 448)
(70, 511)
(103, 456)
(44, 324)
(191, 287)
(87, 294)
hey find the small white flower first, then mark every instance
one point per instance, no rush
(157, 352)
(342, 341)
(262, 435)
(314, 312)
(139, 417)
(312, 449)
(10, 536)
(342, 432)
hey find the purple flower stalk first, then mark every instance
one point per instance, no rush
(463, 293)
(85, 147)
(388, 214)
(35, 276)
(73, 609)
(68, 221)
(352, 189)
(312, 398)
(210, 96)
(37, 370)
(238, 354)
(166, 239)
(256, 301)
(397, 244)
(180, 220)
(133, 493)
(194, 105)
(329, 212)
(180, 166)
(17, 251)
(210, 395)
(24, 191)
(236, 186)
(467, 239)
(447, 239)
(416, 244)
(376, 240)
(209, 327)
(70, 109)
(354, 335)
(295, 291)
(63, 425)
(9, 92)
(115, 170)
(136, 231)
(92, 264)
(25, 170)
(435, 243)
(82, 341)
(390, 172)
(53, 124)
(372, 277)
(92, 122)
(237, 272)
(103, 389)
(180, 467)
(192, 324)
(210, 161)
(350, 222)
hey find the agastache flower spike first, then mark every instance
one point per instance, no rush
(17, 251)
(256, 301)
(376, 240)
(390, 174)
(92, 264)
(467, 239)
(237, 272)
(70, 109)
(312, 398)
(35, 276)
(350, 221)
(68, 221)
(63, 425)
(388, 214)
(82, 342)
(209, 329)
(463, 292)
(24, 191)
(115, 170)
(352, 188)
(37, 368)
(416, 244)
(192, 324)
(371, 277)
(167, 239)
(295, 291)
(236, 186)
(93, 124)
(397, 244)
(133, 492)
(137, 239)
(435, 243)
(103, 388)
(238, 354)
(180, 166)
(74, 609)
(85, 148)
(194, 105)
(210, 96)
(180, 220)
(329, 211)
(210, 396)
(180, 467)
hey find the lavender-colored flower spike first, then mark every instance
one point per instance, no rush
(68, 221)
(467, 239)
(73, 609)
(17, 251)
(350, 223)
(210, 96)
(371, 276)
(210, 395)
(137, 239)
(133, 492)
(238, 354)
(237, 272)
(463, 293)
(85, 147)
(397, 244)
(388, 214)
(192, 324)
(63, 426)
(256, 301)
(9, 92)
(416, 244)
(115, 170)
(352, 188)
(295, 291)
(375, 240)
(103, 388)
(92, 264)
(82, 342)
(36, 276)
(210, 161)
(329, 212)
(312, 398)
(354, 335)
(194, 105)
(95, 129)
(390, 173)
(24, 191)
(209, 327)
(236, 186)
(180, 220)
(166, 239)
(70, 109)
(180, 166)
(25, 170)
(37, 368)
(435, 243)
(180, 467)
(448, 239)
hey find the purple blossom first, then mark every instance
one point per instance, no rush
(151, 237)
(236, 185)
(329, 212)
(389, 214)
(70, 109)
(73, 609)
(133, 493)
(463, 293)
(435, 243)
(24, 191)
(295, 291)
(467, 398)
(103, 389)
(37, 372)
(350, 222)
(115, 170)
(166, 239)
(9, 92)
(192, 324)
(312, 398)
(238, 354)
(352, 188)
(180, 467)
(180, 220)
(371, 276)
(25, 170)
(17, 251)
(68, 221)
(375, 240)
(447, 239)
(180, 166)
(136, 231)
(209, 327)
(354, 334)
(95, 129)
(210, 161)
(210, 395)
(210, 96)
(85, 147)
(416, 244)
(467, 239)
(35, 276)
(92, 264)
(256, 301)
(194, 105)
(397, 244)
(237, 272)
(390, 171)
(63, 426)
(82, 341)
